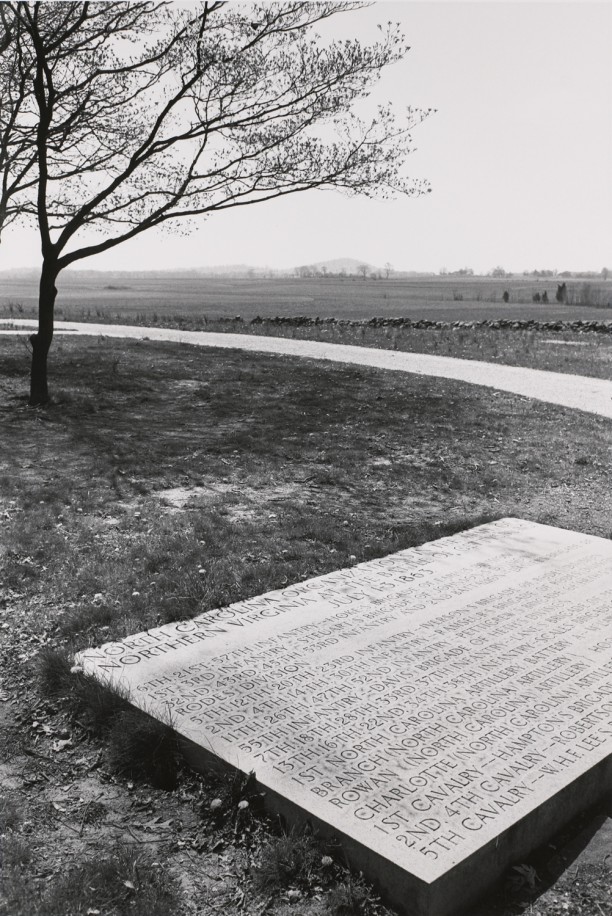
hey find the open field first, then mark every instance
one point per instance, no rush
(165, 481)
(117, 296)
(260, 306)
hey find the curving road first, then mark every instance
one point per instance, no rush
(579, 392)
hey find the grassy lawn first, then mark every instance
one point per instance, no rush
(166, 480)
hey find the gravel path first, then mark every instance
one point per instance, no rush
(579, 392)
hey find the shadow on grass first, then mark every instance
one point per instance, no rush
(303, 468)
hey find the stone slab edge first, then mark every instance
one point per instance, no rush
(455, 889)
(452, 892)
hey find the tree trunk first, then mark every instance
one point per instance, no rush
(41, 341)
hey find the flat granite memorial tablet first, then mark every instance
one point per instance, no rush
(441, 711)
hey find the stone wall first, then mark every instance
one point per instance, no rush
(498, 324)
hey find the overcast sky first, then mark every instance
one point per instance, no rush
(519, 155)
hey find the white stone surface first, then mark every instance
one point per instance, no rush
(421, 704)
(593, 395)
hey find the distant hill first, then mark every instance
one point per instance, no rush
(21, 273)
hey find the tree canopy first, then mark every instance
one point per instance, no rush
(119, 117)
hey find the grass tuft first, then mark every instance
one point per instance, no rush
(123, 882)
(94, 705)
(89, 618)
(143, 747)
(16, 895)
(138, 745)
(349, 898)
(54, 675)
(10, 814)
(288, 860)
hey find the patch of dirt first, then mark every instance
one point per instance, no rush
(179, 497)
(189, 384)
(239, 501)
(567, 343)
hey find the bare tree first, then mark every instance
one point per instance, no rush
(126, 116)
(363, 270)
(388, 270)
(17, 137)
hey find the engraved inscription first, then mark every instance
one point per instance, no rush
(422, 702)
